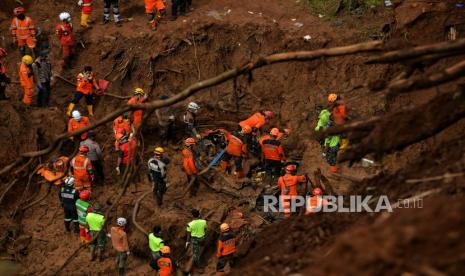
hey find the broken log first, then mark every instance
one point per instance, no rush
(136, 209)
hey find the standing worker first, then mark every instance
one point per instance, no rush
(157, 173)
(42, 69)
(107, 4)
(4, 78)
(226, 248)
(154, 9)
(139, 97)
(23, 31)
(288, 186)
(126, 153)
(119, 240)
(189, 119)
(338, 114)
(196, 236)
(166, 119)
(85, 12)
(315, 201)
(77, 122)
(26, 78)
(81, 167)
(236, 149)
(330, 143)
(68, 197)
(64, 33)
(83, 208)
(86, 83)
(95, 156)
(272, 154)
(96, 220)
(180, 5)
(189, 163)
(155, 242)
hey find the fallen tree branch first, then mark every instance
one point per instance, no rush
(435, 178)
(136, 209)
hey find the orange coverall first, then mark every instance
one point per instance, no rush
(136, 114)
(24, 32)
(27, 82)
(74, 125)
(288, 185)
(82, 171)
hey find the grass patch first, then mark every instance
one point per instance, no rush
(331, 7)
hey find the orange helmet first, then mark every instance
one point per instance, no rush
(332, 97)
(290, 168)
(317, 191)
(189, 141)
(246, 129)
(2, 53)
(84, 149)
(274, 131)
(19, 10)
(268, 114)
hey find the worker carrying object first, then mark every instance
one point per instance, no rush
(42, 69)
(288, 186)
(136, 116)
(77, 122)
(257, 120)
(95, 156)
(155, 242)
(55, 170)
(126, 153)
(338, 114)
(272, 154)
(331, 143)
(83, 207)
(4, 78)
(157, 173)
(96, 220)
(196, 236)
(166, 120)
(226, 248)
(154, 9)
(85, 12)
(86, 83)
(315, 201)
(68, 197)
(107, 4)
(64, 33)
(190, 163)
(26, 78)
(236, 150)
(81, 167)
(119, 240)
(166, 265)
(189, 119)
(23, 31)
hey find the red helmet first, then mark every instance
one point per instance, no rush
(290, 168)
(317, 191)
(84, 195)
(19, 10)
(2, 53)
(189, 141)
(84, 149)
(268, 114)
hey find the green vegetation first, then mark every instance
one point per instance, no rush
(331, 7)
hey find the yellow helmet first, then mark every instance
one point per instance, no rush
(139, 91)
(27, 59)
(165, 250)
(224, 227)
(159, 150)
(332, 97)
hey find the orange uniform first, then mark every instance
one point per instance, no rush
(235, 146)
(153, 5)
(226, 245)
(26, 77)
(255, 121)
(86, 85)
(24, 32)
(272, 150)
(82, 171)
(314, 202)
(339, 113)
(165, 266)
(188, 162)
(74, 125)
(121, 125)
(127, 151)
(288, 185)
(137, 114)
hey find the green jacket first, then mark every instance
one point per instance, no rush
(155, 243)
(332, 141)
(324, 119)
(95, 221)
(81, 207)
(197, 228)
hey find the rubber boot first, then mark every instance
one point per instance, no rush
(92, 252)
(100, 254)
(70, 109)
(90, 110)
(67, 226)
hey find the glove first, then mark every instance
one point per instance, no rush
(118, 172)
(79, 3)
(128, 253)
(187, 244)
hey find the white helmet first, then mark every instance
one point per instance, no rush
(193, 106)
(121, 222)
(65, 16)
(69, 181)
(76, 115)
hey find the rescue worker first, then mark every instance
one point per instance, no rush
(64, 33)
(126, 153)
(4, 78)
(331, 143)
(189, 119)
(257, 120)
(180, 5)
(315, 201)
(42, 69)
(26, 78)
(154, 9)
(55, 170)
(272, 154)
(68, 197)
(83, 207)
(190, 164)
(119, 240)
(81, 168)
(95, 156)
(288, 186)
(96, 220)
(23, 31)
(338, 114)
(86, 83)
(121, 127)
(226, 248)
(166, 266)
(236, 150)
(85, 12)
(155, 242)
(166, 119)
(107, 4)
(196, 236)
(136, 116)
(77, 122)
(157, 173)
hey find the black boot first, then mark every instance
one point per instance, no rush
(67, 226)
(121, 271)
